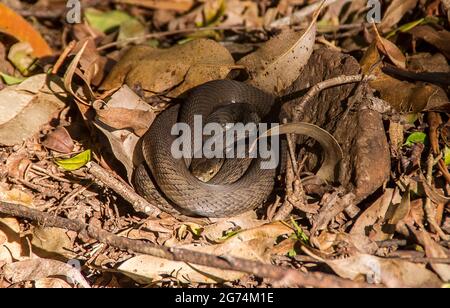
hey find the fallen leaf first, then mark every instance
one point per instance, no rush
(11, 80)
(171, 71)
(52, 241)
(59, 140)
(401, 95)
(414, 138)
(51, 283)
(76, 162)
(391, 273)
(20, 55)
(439, 39)
(36, 269)
(434, 250)
(122, 139)
(392, 51)
(277, 63)
(395, 12)
(15, 25)
(105, 21)
(28, 106)
(11, 246)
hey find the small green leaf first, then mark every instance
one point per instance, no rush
(106, 21)
(75, 162)
(299, 233)
(11, 80)
(20, 55)
(447, 156)
(292, 253)
(407, 27)
(229, 234)
(416, 138)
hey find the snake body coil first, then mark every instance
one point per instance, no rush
(173, 178)
(167, 182)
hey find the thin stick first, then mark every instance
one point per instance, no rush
(174, 32)
(283, 276)
(139, 204)
(333, 82)
(63, 57)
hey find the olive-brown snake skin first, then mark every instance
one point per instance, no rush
(167, 182)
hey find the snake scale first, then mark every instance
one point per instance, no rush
(168, 183)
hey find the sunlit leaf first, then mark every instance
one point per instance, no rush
(11, 80)
(416, 138)
(106, 21)
(75, 162)
(447, 156)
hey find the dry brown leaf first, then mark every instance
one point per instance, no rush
(59, 140)
(15, 25)
(171, 71)
(439, 39)
(28, 106)
(137, 121)
(123, 141)
(11, 246)
(51, 283)
(401, 95)
(277, 63)
(391, 273)
(36, 269)
(392, 51)
(51, 241)
(434, 250)
(395, 12)
(374, 215)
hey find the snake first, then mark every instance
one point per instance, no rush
(167, 181)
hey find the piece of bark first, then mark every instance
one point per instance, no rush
(366, 162)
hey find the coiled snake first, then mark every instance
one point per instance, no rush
(167, 182)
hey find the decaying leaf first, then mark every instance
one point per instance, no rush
(28, 106)
(437, 38)
(123, 131)
(171, 71)
(59, 140)
(434, 250)
(36, 269)
(391, 273)
(276, 64)
(11, 246)
(52, 241)
(395, 12)
(401, 95)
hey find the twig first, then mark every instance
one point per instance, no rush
(333, 82)
(174, 32)
(289, 277)
(301, 14)
(139, 204)
(63, 56)
(430, 210)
